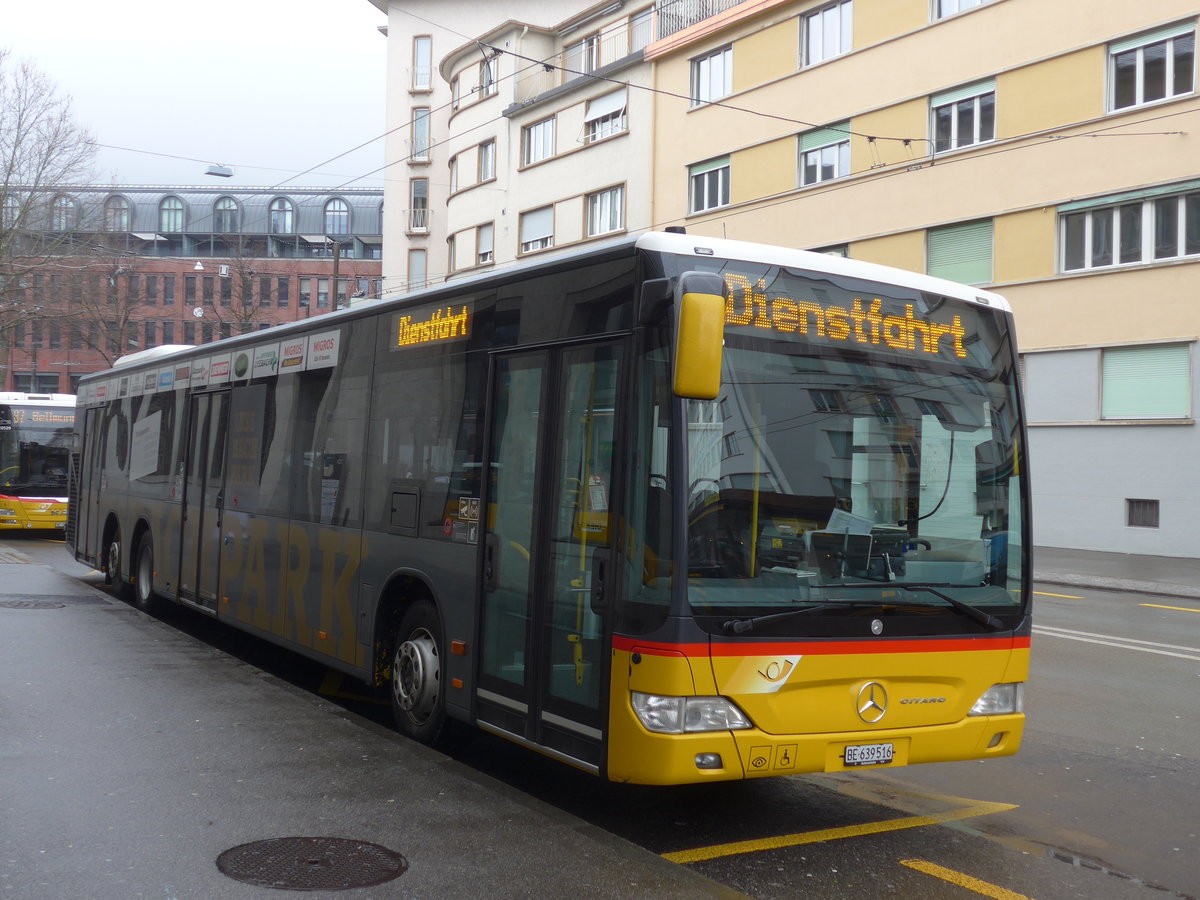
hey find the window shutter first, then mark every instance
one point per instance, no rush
(537, 224)
(823, 137)
(962, 93)
(1152, 37)
(1146, 382)
(603, 106)
(701, 168)
(961, 253)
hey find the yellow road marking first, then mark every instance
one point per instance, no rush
(966, 881)
(716, 851)
(1060, 596)
(1160, 606)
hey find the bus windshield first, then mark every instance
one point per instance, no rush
(35, 444)
(870, 463)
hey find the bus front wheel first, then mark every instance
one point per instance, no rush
(417, 675)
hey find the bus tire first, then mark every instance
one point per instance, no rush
(112, 568)
(144, 597)
(416, 685)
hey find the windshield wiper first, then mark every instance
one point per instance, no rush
(741, 626)
(983, 618)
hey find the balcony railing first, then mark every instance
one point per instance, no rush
(676, 15)
(620, 39)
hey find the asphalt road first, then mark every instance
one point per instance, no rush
(1101, 802)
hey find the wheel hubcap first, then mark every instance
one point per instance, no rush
(416, 676)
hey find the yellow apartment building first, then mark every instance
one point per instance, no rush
(1048, 150)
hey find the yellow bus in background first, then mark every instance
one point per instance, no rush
(36, 432)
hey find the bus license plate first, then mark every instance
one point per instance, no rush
(868, 754)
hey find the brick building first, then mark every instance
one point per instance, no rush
(101, 271)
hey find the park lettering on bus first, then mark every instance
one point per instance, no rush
(862, 322)
(439, 326)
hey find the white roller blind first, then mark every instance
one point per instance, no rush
(603, 106)
(1150, 382)
(537, 224)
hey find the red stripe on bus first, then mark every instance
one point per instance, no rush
(823, 648)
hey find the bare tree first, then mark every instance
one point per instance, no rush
(42, 151)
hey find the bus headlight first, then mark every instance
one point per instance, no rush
(1000, 699)
(8, 512)
(677, 715)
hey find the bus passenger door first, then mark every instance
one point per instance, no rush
(204, 478)
(547, 548)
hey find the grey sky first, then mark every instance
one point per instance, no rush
(270, 87)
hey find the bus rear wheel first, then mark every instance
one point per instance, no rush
(144, 597)
(417, 702)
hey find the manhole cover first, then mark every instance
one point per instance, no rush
(312, 863)
(31, 604)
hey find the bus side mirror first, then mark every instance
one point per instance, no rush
(699, 336)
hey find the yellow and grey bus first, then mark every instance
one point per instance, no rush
(36, 431)
(669, 509)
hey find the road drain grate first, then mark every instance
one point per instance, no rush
(31, 604)
(312, 863)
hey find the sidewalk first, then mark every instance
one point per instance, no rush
(133, 757)
(1163, 575)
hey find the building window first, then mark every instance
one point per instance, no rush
(416, 269)
(605, 117)
(1147, 382)
(64, 213)
(225, 216)
(420, 134)
(606, 211)
(840, 250)
(283, 287)
(281, 213)
(827, 32)
(964, 116)
(961, 253)
(323, 293)
(487, 160)
(168, 290)
(484, 240)
(422, 63)
(1141, 513)
(825, 154)
(943, 8)
(418, 204)
(537, 229)
(337, 217)
(168, 332)
(170, 215)
(116, 214)
(1152, 67)
(151, 335)
(453, 165)
(189, 290)
(712, 76)
(455, 92)
(708, 185)
(537, 141)
(10, 212)
(305, 295)
(1140, 227)
(583, 57)
(189, 332)
(487, 77)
